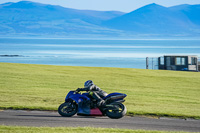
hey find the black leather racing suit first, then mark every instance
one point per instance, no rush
(95, 92)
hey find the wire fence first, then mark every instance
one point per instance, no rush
(152, 63)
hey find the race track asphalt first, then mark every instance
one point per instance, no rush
(53, 119)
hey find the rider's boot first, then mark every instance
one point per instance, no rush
(100, 101)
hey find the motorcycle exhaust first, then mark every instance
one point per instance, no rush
(121, 101)
(116, 97)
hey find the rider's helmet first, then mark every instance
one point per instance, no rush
(88, 83)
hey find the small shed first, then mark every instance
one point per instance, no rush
(178, 62)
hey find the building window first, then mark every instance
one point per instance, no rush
(161, 61)
(180, 60)
(172, 61)
(193, 61)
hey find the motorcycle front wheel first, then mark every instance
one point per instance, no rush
(116, 110)
(68, 109)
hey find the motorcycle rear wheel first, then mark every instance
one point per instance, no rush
(68, 109)
(116, 110)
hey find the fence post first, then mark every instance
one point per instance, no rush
(147, 63)
(197, 64)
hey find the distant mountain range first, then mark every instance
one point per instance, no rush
(27, 18)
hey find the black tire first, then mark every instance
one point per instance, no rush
(116, 111)
(68, 109)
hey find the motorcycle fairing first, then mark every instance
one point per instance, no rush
(83, 109)
(69, 94)
(95, 112)
(76, 97)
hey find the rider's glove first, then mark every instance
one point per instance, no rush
(79, 89)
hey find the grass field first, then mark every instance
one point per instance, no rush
(150, 92)
(11, 129)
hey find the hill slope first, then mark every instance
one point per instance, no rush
(191, 11)
(29, 18)
(34, 18)
(156, 19)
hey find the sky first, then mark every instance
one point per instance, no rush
(109, 5)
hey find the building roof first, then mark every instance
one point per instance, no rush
(183, 55)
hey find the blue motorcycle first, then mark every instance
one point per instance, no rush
(83, 104)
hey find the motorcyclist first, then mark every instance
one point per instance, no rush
(95, 92)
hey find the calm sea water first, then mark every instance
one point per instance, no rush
(97, 53)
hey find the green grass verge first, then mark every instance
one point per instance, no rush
(150, 92)
(16, 129)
